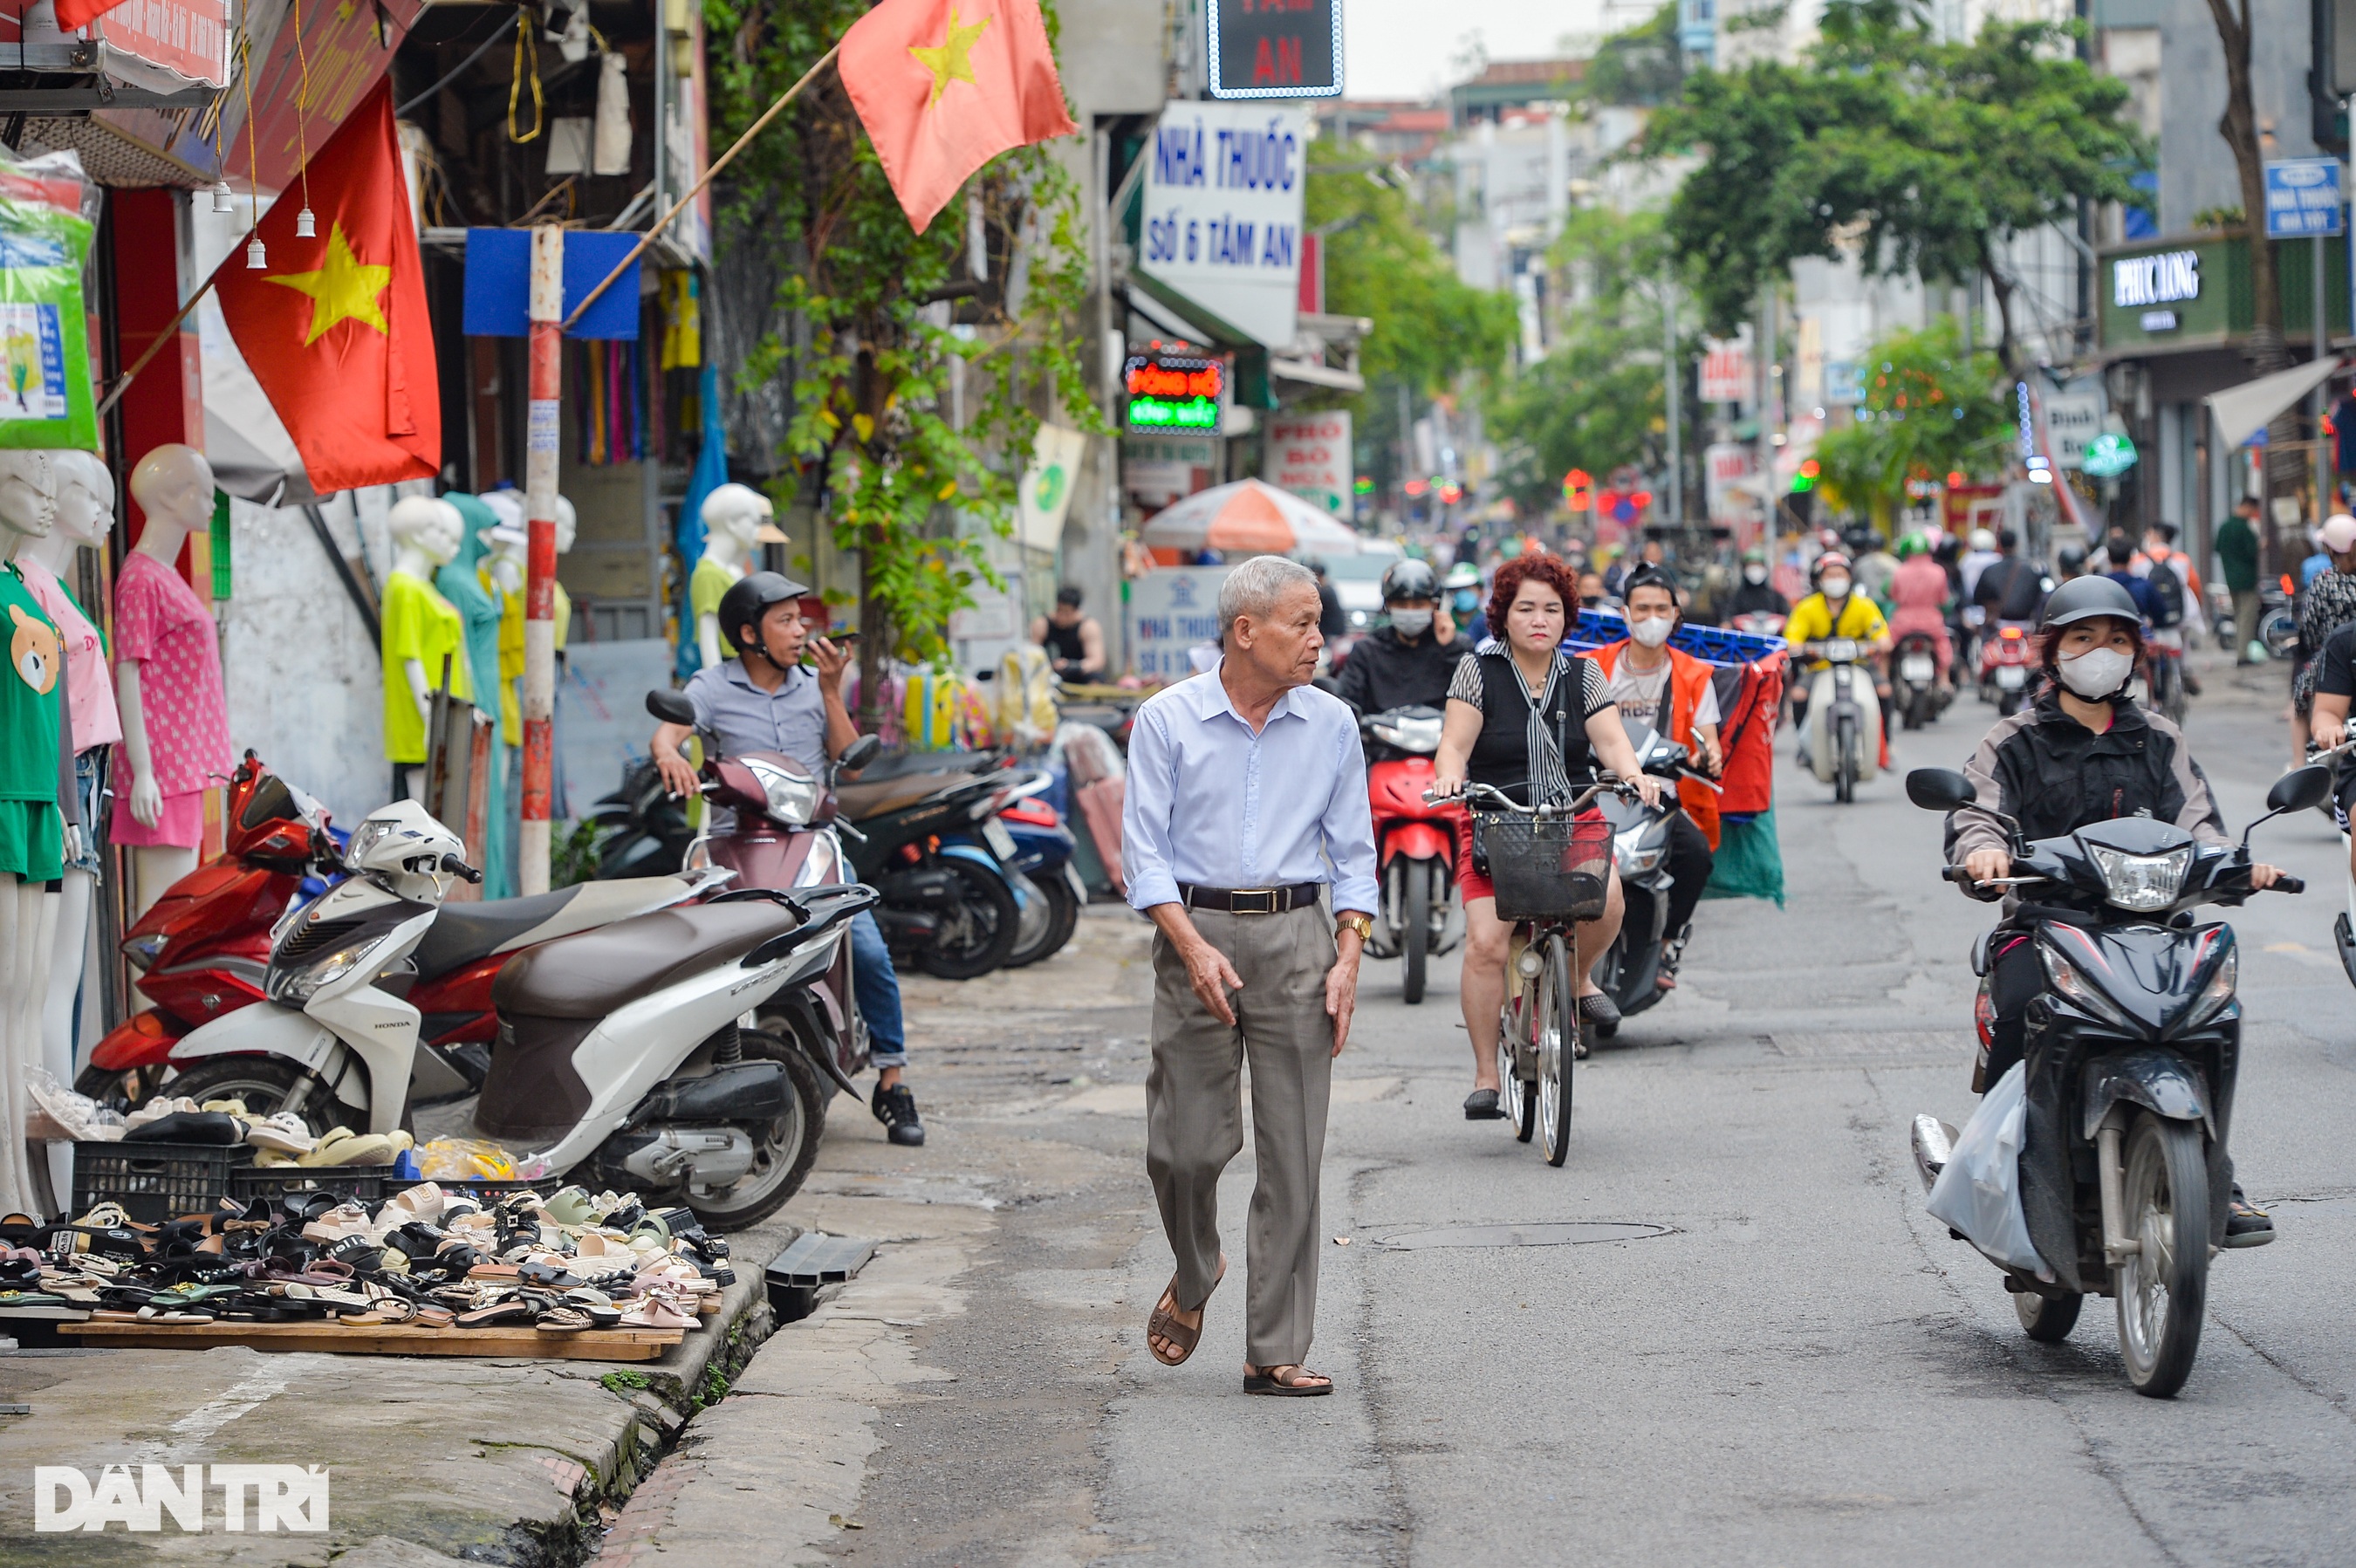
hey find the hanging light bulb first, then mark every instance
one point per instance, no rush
(254, 261)
(222, 200)
(305, 227)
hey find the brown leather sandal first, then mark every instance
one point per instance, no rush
(1165, 1324)
(1273, 1381)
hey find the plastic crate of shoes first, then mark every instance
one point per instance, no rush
(156, 1182)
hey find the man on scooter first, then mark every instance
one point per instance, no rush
(1672, 691)
(1407, 664)
(764, 701)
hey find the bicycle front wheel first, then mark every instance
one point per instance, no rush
(1557, 1016)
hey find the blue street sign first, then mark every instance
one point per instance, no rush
(2302, 197)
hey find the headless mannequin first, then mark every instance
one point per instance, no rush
(27, 916)
(173, 486)
(85, 517)
(732, 516)
(426, 534)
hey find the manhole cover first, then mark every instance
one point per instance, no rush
(1570, 1233)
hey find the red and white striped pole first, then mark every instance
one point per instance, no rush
(539, 565)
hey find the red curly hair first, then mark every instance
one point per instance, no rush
(1551, 570)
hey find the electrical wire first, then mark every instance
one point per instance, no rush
(460, 70)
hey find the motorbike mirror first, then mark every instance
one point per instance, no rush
(2300, 790)
(671, 707)
(1940, 790)
(859, 754)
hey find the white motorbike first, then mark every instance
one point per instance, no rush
(1844, 717)
(628, 1053)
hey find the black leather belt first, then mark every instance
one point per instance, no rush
(1251, 900)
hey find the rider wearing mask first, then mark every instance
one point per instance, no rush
(1755, 595)
(2083, 752)
(1918, 599)
(1464, 608)
(1834, 610)
(1673, 693)
(1407, 664)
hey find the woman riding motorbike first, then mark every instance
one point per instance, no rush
(2081, 752)
(1510, 724)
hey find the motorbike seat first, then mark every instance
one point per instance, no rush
(592, 974)
(462, 933)
(861, 800)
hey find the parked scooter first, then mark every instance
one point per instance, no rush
(2130, 1056)
(1645, 949)
(1844, 717)
(1043, 849)
(624, 1055)
(203, 947)
(947, 903)
(1921, 695)
(1415, 843)
(640, 830)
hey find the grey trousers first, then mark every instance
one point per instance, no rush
(1193, 1116)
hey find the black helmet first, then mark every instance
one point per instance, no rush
(1409, 579)
(745, 603)
(2071, 558)
(2085, 598)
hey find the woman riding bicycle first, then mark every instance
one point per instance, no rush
(1525, 719)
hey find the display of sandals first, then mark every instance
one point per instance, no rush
(425, 1263)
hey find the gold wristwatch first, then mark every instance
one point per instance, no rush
(1361, 924)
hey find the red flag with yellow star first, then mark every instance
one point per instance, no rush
(944, 86)
(334, 327)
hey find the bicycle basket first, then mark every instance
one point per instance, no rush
(1546, 868)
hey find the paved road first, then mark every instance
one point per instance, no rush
(1791, 1365)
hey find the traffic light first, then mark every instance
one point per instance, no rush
(1578, 490)
(1806, 479)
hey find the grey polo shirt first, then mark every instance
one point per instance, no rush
(791, 719)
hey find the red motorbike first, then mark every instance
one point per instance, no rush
(205, 945)
(1415, 843)
(2004, 666)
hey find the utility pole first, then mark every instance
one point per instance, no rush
(1670, 371)
(544, 429)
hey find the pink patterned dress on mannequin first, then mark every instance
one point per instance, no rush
(161, 626)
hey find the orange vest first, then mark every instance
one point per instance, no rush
(1688, 678)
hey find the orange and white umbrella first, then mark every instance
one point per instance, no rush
(1251, 518)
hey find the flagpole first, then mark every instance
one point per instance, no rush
(718, 164)
(544, 431)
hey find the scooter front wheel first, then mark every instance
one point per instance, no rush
(1415, 926)
(2163, 1285)
(265, 1084)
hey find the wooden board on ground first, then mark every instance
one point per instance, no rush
(390, 1339)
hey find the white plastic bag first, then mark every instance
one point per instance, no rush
(1979, 1193)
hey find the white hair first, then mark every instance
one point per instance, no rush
(1253, 589)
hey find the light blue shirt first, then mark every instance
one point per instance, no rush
(1213, 804)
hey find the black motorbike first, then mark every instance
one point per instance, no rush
(640, 830)
(1645, 948)
(1917, 691)
(948, 904)
(2129, 1058)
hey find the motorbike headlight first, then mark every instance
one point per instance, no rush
(1633, 859)
(144, 950)
(792, 796)
(295, 987)
(2080, 992)
(2141, 882)
(2218, 991)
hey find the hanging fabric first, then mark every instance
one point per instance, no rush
(612, 153)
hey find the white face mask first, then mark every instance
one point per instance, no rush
(2097, 672)
(1654, 632)
(1835, 587)
(1754, 574)
(1410, 623)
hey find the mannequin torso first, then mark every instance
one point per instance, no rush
(732, 516)
(422, 629)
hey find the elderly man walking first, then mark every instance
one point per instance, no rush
(1246, 798)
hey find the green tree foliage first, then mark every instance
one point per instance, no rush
(1929, 411)
(1431, 330)
(1921, 156)
(871, 444)
(1596, 401)
(1643, 66)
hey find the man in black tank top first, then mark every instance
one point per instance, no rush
(1075, 643)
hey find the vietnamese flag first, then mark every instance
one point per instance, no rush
(944, 86)
(335, 328)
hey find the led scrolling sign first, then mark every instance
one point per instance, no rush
(1169, 391)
